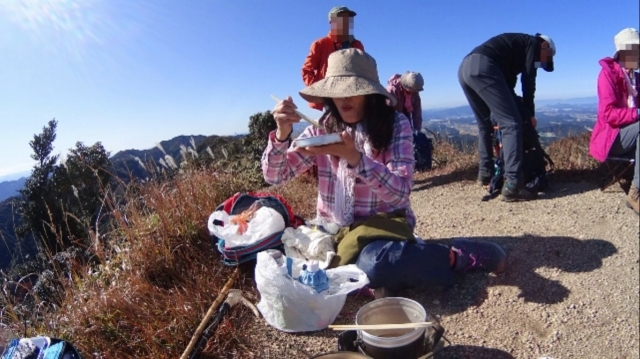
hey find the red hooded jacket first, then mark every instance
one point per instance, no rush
(315, 65)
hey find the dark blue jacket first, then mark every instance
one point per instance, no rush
(515, 54)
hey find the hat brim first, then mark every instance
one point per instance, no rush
(414, 90)
(344, 86)
(350, 12)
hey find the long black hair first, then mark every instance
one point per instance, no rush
(378, 120)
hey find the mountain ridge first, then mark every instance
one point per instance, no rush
(10, 188)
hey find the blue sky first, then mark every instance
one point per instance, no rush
(131, 73)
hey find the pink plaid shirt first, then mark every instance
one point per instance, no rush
(383, 183)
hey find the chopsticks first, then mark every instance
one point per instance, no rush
(304, 117)
(381, 326)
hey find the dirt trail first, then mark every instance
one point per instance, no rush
(571, 289)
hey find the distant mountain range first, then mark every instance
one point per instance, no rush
(124, 162)
(581, 103)
(171, 147)
(126, 166)
(15, 176)
(10, 188)
(591, 100)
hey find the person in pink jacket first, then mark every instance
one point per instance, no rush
(616, 130)
(406, 89)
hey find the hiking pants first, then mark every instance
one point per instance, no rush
(397, 265)
(488, 94)
(624, 144)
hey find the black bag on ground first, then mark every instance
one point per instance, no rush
(422, 151)
(536, 163)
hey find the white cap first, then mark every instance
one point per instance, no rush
(625, 38)
(412, 81)
(552, 45)
(313, 266)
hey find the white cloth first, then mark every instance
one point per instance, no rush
(309, 244)
(631, 87)
(344, 188)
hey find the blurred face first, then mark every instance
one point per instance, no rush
(351, 109)
(341, 27)
(407, 91)
(629, 57)
(545, 53)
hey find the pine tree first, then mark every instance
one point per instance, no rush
(60, 202)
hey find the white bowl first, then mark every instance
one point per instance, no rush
(318, 140)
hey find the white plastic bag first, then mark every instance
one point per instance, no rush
(291, 306)
(265, 222)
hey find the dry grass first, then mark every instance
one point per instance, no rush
(446, 155)
(450, 164)
(572, 159)
(160, 273)
(570, 156)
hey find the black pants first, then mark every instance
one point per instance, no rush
(626, 142)
(488, 94)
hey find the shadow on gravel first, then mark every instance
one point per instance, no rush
(464, 174)
(561, 184)
(471, 352)
(526, 255)
(564, 189)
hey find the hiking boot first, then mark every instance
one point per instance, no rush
(514, 193)
(478, 255)
(484, 181)
(633, 199)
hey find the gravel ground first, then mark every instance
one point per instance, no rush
(570, 290)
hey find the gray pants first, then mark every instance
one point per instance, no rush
(488, 94)
(625, 143)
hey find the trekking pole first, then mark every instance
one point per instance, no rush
(234, 297)
(221, 297)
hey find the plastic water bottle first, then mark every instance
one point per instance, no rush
(314, 277)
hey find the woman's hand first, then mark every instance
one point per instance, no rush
(285, 115)
(346, 149)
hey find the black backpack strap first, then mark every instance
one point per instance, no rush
(552, 165)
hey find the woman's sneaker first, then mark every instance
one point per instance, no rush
(482, 255)
(515, 193)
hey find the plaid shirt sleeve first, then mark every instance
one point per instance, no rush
(392, 181)
(281, 163)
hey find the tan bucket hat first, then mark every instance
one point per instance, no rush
(350, 72)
